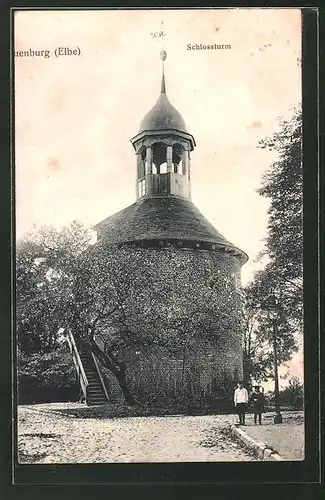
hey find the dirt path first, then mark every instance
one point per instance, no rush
(49, 438)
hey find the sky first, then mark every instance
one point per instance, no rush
(75, 115)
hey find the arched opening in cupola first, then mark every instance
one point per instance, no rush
(163, 168)
(177, 159)
(159, 158)
(167, 158)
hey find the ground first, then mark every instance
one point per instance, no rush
(286, 438)
(75, 433)
(48, 437)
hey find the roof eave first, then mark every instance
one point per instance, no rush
(144, 133)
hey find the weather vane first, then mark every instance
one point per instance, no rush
(163, 54)
(160, 35)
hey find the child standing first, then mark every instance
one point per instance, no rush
(257, 400)
(240, 401)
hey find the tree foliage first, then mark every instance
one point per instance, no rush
(268, 310)
(293, 394)
(41, 299)
(281, 278)
(282, 185)
(43, 283)
(121, 302)
(257, 362)
(47, 377)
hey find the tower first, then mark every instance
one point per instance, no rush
(164, 218)
(163, 213)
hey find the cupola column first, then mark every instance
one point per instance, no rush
(149, 160)
(169, 158)
(140, 166)
(185, 162)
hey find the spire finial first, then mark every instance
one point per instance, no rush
(163, 55)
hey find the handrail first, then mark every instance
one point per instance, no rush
(78, 364)
(100, 375)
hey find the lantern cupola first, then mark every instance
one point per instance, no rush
(163, 148)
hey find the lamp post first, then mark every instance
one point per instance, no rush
(278, 416)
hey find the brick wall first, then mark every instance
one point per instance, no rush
(208, 362)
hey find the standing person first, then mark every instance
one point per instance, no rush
(240, 401)
(257, 400)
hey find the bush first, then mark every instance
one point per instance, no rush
(293, 395)
(47, 378)
(291, 398)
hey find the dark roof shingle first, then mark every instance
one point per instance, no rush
(165, 218)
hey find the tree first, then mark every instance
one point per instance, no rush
(40, 302)
(129, 299)
(122, 301)
(262, 323)
(282, 274)
(282, 184)
(257, 363)
(40, 295)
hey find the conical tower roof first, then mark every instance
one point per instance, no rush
(164, 219)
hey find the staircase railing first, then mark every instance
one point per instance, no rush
(78, 364)
(100, 376)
